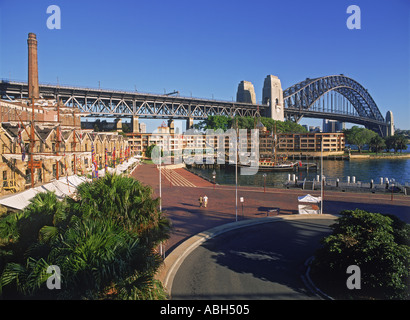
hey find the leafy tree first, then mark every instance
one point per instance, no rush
(215, 122)
(149, 149)
(225, 123)
(374, 242)
(377, 143)
(401, 142)
(126, 128)
(390, 143)
(396, 142)
(104, 241)
(359, 136)
(405, 133)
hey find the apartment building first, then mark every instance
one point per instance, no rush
(289, 143)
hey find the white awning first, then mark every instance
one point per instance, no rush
(310, 199)
(63, 187)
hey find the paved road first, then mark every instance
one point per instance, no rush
(259, 262)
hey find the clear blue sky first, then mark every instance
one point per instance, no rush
(205, 48)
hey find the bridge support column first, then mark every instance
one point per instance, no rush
(171, 126)
(272, 95)
(135, 124)
(118, 124)
(189, 123)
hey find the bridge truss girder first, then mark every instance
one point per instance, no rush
(99, 103)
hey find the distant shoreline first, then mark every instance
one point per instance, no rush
(380, 156)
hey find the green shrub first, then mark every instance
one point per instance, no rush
(376, 243)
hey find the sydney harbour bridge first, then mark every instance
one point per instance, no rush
(334, 97)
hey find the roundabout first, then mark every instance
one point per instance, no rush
(254, 259)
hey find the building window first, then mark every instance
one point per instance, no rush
(28, 176)
(4, 178)
(40, 175)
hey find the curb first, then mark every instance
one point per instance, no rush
(307, 280)
(174, 260)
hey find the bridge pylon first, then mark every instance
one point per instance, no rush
(389, 124)
(272, 95)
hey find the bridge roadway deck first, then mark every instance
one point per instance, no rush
(104, 103)
(180, 202)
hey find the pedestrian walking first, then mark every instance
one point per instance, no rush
(200, 201)
(205, 201)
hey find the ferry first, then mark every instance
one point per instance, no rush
(269, 165)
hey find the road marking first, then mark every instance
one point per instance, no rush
(176, 179)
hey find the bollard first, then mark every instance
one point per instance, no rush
(381, 180)
(288, 176)
(353, 179)
(348, 179)
(293, 177)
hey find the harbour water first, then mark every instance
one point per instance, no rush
(363, 170)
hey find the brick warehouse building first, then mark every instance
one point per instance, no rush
(42, 140)
(57, 151)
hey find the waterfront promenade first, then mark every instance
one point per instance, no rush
(181, 190)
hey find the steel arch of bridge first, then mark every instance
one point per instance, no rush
(299, 99)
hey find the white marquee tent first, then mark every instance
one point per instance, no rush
(309, 204)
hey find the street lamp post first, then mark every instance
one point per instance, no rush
(236, 172)
(321, 176)
(214, 176)
(264, 182)
(236, 184)
(160, 196)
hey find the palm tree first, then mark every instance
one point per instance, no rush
(127, 202)
(103, 241)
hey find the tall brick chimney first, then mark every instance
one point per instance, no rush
(33, 90)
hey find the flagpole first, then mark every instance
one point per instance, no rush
(32, 141)
(58, 140)
(160, 195)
